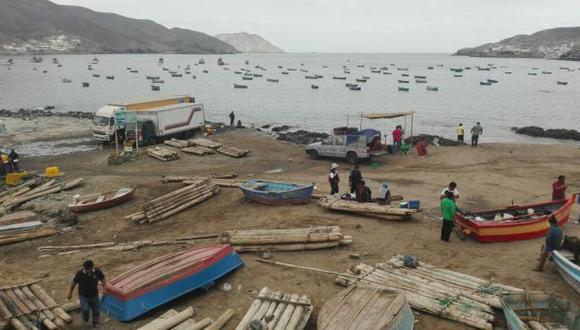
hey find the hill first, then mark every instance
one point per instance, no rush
(249, 43)
(43, 26)
(557, 43)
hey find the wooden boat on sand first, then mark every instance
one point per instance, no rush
(277, 193)
(361, 308)
(99, 201)
(568, 267)
(370, 209)
(538, 310)
(163, 279)
(513, 223)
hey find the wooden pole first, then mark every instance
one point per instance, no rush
(169, 323)
(222, 320)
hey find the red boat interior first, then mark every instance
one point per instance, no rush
(519, 213)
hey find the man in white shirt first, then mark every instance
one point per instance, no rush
(452, 187)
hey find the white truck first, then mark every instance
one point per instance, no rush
(351, 147)
(157, 120)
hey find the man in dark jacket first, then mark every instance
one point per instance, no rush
(354, 178)
(232, 118)
(553, 242)
(333, 179)
(88, 279)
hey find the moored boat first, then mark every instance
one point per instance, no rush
(563, 83)
(355, 87)
(433, 88)
(513, 223)
(485, 83)
(540, 311)
(247, 78)
(493, 81)
(163, 279)
(99, 201)
(339, 78)
(272, 80)
(403, 81)
(110, 77)
(314, 86)
(366, 308)
(403, 89)
(420, 81)
(277, 193)
(85, 84)
(66, 81)
(568, 266)
(155, 88)
(240, 86)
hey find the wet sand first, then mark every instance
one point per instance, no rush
(488, 176)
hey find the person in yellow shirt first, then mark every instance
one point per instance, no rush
(460, 133)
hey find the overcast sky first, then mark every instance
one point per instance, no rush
(355, 25)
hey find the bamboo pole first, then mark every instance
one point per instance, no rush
(183, 207)
(166, 324)
(222, 320)
(48, 301)
(252, 310)
(203, 324)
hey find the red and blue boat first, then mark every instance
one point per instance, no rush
(514, 223)
(161, 280)
(277, 193)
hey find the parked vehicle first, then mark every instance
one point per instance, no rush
(352, 147)
(157, 120)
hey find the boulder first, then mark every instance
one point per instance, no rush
(564, 134)
(302, 137)
(530, 131)
(442, 141)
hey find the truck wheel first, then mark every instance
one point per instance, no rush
(313, 154)
(351, 157)
(151, 141)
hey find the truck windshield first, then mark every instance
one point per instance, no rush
(101, 121)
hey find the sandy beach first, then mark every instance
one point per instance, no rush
(491, 175)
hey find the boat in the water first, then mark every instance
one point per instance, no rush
(100, 201)
(538, 310)
(420, 81)
(163, 279)
(201, 61)
(493, 81)
(485, 83)
(85, 84)
(457, 75)
(158, 81)
(355, 87)
(403, 89)
(247, 78)
(110, 77)
(563, 83)
(420, 77)
(66, 81)
(155, 88)
(568, 263)
(508, 72)
(366, 308)
(403, 81)
(272, 80)
(339, 77)
(240, 86)
(314, 86)
(277, 193)
(532, 74)
(433, 88)
(513, 223)
(404, 75)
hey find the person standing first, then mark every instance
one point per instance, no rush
(398, 137)
(448, 210)
(460, 133)
(333, 179)
(88, 279)
(354, 178)
(232, 118)
(559, 188)
(452, 187)
(553, 242)
(476, 131)
(14, 159)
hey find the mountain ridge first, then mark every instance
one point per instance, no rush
(249, 43)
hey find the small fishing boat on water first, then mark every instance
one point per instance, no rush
(247, 78)
(485, 83)
(404, 74)
(387, 72)
(513, 223)
(110, 77)
(277, 193)
(546, 72)
(361, 80)
(100, 201)
(168, 277)
(285, 72)
(420, 77)
(205, 71)
(155, 88)
(532, 74)
(66, 81)
(403, 89)
(85, 84)
(257, 75)
(429, 68)
(355, 88)
(433, 88)
(201, 61)
(309, 77)
(158, 81)
(508, 72)
(568, 262)
(339, 77)
(493, 81)
(420, 81)
(240, 86)
(272, 80)
(457, 75)
(96, 75)
(563, 83)
(366, 308)
(538, 310)
(314, 86)
(403, 81)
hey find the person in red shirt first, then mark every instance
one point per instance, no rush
(559, 188)
(398, 136)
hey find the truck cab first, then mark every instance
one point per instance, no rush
(362, 144)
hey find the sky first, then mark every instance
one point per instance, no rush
(346, 26)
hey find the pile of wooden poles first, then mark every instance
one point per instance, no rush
(183, 320)
(277, 310)
(21, 226)
(300, 239)
(233, 152)
(205, 143)
(179, 200)
(455, 296)
(25, 306)
(199, 151)
(177, 143)
(374, 210)
(36, 190)
(162, 154)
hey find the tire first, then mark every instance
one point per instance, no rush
(351, 157)
(313, 154)
(151, 141)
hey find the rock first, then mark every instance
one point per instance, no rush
(530, 131)
(560, 133)
(442, 141)
(266, 126)
(302, 137)
(280, 128)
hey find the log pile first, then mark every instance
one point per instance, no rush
(177, 143)
(205, 143)
(184, 321)
(162, 154)
(233, 152)
(29, 307)
(277, 310)
(22, 226)
(224, 180)
(300, 239)
(197, 150)
(28, 193)
(455, 296)
(179, 200)
(374, 210)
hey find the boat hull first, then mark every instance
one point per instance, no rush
(569, 271)
(490, 231)
(102, 205)
(542, 305)
(300, 195)
(128, 307)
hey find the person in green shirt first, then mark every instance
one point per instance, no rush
(448, 209)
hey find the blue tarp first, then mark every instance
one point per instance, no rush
(367, 133)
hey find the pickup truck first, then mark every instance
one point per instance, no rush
(352, 147)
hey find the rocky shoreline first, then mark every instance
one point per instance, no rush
(46, 112)
(559, 133)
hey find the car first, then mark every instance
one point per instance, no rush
(352, 147)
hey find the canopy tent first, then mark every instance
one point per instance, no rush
(388, 115)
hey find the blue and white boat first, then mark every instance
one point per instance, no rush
(569, 270)
(549, 311)
(277, 193)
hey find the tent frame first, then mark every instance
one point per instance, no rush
(386, 115)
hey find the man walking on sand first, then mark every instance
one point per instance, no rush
(460, 133)
(559, 189)
(354, 178)
(88, 279)
(476, 131)
(553, 242)
(232, 118)
(333, 179)
(448, 210)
